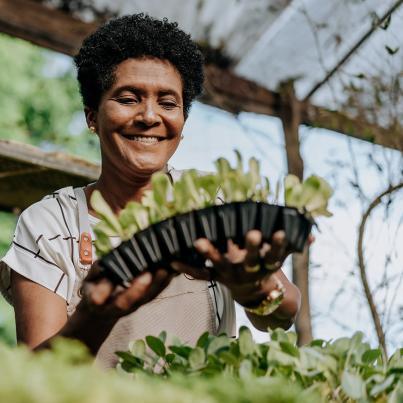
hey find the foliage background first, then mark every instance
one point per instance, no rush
(40, 105)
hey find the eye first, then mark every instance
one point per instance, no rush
(127, 100)
(168, 104)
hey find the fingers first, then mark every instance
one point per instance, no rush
(160, 280)
(276, 252)
(208, 251)
(252, 246)
(126, 300)
(98, 293)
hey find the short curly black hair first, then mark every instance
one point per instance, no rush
(136, 36)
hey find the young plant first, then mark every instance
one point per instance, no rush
(196, 190)
(344, 370)
(310, 197)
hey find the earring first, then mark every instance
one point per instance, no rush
(182, 137)
(92, 128)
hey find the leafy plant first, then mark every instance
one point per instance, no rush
(310, 197)
(48, 376)
(195, 191)
(343, 370)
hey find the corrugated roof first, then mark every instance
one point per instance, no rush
(271, 41)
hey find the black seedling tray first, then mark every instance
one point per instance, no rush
(172, 239)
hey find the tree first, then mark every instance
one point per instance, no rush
(40, 106)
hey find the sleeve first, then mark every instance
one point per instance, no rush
(41, 251)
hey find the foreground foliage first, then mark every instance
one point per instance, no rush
(67, 375)
(344, 370)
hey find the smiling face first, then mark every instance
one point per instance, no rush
(140, 118)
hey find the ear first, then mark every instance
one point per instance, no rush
(91, 118)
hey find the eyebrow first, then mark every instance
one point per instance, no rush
(136, 90)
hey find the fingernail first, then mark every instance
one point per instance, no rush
(144, 279)
(201, 246)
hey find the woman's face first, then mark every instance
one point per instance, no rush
(140, 118)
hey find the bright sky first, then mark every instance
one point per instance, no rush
(336, 293)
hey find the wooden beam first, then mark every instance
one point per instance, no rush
(234, 94)
(27, 174)
(53, 29)
(34, 157)
(44, 26)
(391, 137)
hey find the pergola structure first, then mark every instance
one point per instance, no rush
(245, 85)
(251, 35)
(282, 58)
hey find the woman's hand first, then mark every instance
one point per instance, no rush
(103, 299)
(243, 271)
(103, 304)
(251, 274)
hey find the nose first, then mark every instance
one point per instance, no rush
(147, 115)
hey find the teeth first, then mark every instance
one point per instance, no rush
(142, 139)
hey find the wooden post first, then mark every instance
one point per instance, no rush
(290, 114)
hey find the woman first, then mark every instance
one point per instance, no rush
(138, 77)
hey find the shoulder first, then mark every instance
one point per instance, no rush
(55, 211)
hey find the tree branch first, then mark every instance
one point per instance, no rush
(361, 263)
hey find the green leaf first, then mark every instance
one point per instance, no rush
(156, 345)
(197, 358)
(229, 358)
(138, 348)
(245, 369)
(170, 358)
(163, 336)
(102, 242)
(289, 348)
(380, 388)
(246, 344)
(218, 343)
(275, 356)
(353, 385)
(161, 186)
(104, 211)
(392, 51)
(371, 356)
(130, 359)
(397, 395)
(182, 351)
(203, 340)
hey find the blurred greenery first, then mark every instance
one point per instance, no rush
(7, 328)
(41, 105)
(66, 375)
(40, 101)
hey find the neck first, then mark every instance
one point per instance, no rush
(117, 190)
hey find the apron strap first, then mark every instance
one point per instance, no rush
(85, 244)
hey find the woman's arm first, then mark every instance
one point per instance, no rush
(251, 274)
(41, 315)
(284, 315)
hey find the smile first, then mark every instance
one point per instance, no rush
(143, 139)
